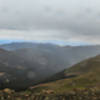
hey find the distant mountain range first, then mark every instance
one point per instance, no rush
(26, 64)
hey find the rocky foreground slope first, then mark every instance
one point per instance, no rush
(90, 94)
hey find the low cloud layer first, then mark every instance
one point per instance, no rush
(67, 20)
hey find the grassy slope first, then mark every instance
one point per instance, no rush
(85, 74)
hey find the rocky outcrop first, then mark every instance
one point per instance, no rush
(74, 95)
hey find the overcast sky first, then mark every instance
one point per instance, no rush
(64, 20)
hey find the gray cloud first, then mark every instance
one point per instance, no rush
(68, 20)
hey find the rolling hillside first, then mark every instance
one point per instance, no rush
(83, 75)
(79, 82)
(22, 67)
